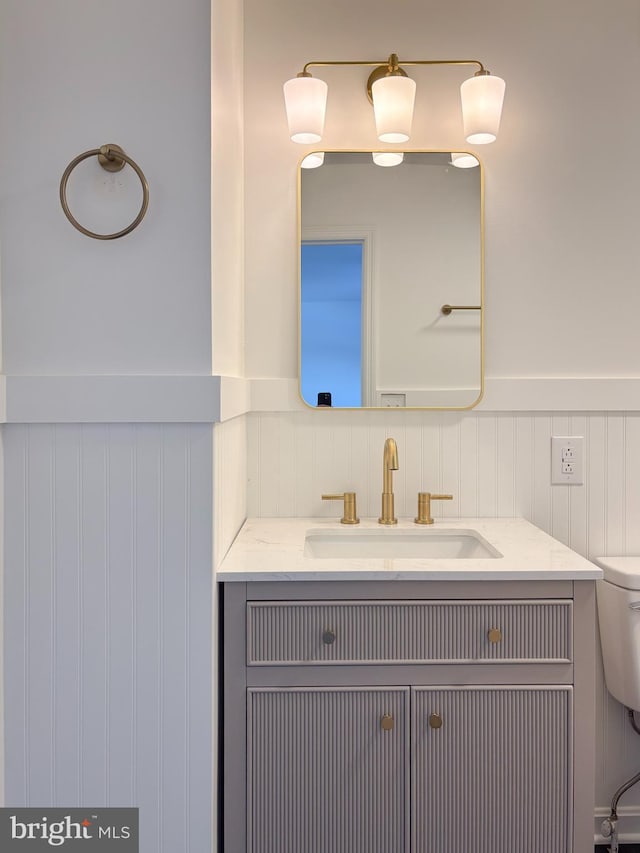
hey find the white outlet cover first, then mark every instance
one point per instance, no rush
(393, 401)
(560, 443)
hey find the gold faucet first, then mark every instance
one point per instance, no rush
(350, 514)
(389, 464)
(424, 506)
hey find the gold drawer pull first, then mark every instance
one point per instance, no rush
(494, 635)
(387, 722)
(435, 721)
(328, 637)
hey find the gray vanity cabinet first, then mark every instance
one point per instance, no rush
(492, 765)
(328, 770)
(408, 717)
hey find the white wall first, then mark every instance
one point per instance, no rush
(560, 207)
(230, 483)
(73, 77)
(562, 258)
(227, 187)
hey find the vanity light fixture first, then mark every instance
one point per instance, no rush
(392, 93)
(313, 160)
(387, 158)
(463, 160)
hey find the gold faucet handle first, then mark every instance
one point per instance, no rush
(424, 506)
(349, 515)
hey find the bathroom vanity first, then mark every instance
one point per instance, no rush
(383, 704)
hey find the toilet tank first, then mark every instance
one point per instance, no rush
(619, 618)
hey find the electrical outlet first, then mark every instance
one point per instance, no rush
(393, 401)
(566, 459)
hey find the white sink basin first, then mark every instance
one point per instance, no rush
(398, 544)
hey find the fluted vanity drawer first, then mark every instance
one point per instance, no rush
(325, 632)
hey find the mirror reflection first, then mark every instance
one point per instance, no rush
(383, 249)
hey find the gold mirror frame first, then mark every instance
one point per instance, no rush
(446, 308)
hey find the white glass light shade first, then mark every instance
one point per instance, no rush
(313, 160)
(463, 160)
(387, 158)
(306, 102)
(482, 107)
(393, 99)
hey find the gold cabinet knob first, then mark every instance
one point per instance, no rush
(386, 722)
(435, 721)
(494, 635)
(328, 637)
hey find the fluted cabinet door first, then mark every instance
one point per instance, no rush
(328, 770)
(491, 770)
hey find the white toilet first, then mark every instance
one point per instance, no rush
(619, 616)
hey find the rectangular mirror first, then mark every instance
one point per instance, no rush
(391, 281)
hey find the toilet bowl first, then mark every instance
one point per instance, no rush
(618, 597)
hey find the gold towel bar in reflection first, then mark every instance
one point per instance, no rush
(113, 159)
(447, 309)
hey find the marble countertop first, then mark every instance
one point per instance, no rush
(272, 549)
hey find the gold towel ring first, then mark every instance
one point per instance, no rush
(113, 159)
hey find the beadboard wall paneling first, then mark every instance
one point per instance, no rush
(229, 513)
(108, 629)
(230, 483)
(494, 465)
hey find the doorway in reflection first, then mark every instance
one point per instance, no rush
(331, 321)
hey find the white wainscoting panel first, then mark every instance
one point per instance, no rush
(230, 483)
(229, 513)
(494, 464)
(108, 632)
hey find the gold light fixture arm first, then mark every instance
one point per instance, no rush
(390, 67)
(481, 68)
(331, 62)
(387, 63)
